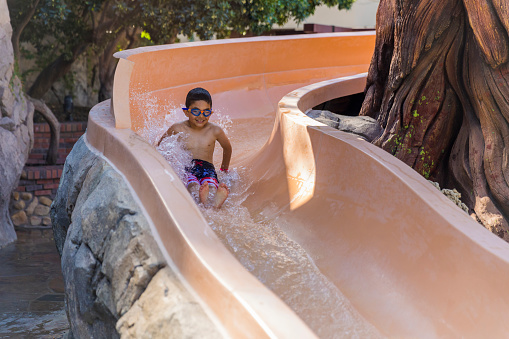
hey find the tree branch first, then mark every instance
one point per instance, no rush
(54, 125)
(16, 34)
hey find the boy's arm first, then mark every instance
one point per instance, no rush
(227, 149)
(171, 131)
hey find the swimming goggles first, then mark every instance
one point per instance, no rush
(196, 112)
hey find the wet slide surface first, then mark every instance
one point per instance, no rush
(343, 239)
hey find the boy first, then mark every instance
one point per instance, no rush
(199, 137)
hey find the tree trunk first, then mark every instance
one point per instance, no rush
(54, 125)
(108, 63)
(54, 71)
(107, 66)
(17, 32)
(437, 84)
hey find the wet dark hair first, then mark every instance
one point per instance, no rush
(196, 94)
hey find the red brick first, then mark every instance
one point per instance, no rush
(45, 181)
(37, 175)
(41, 144)
(59, 173)
(30, 175)
(20, 188)
(43, 192)
(31, 188)
(50, 186)
(54, 173)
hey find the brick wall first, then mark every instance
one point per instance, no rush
(40, 180)
(39, 183)
(70, 132)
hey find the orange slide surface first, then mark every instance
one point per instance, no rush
(323, 235)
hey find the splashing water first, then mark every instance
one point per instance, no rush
(171, 148)
(259, 243)
(284, 266)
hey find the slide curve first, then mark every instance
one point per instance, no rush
(407, 260)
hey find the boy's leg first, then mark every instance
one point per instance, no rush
(211, 185)
(204, 192)
(193, 185)
(221, 195)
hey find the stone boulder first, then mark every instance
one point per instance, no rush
(117, 282)
(365, 127)
(16, 126)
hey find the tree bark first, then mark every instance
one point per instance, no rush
(17, 32)
(438, 84)
(108, 63)
(107, 66)
(54, 125)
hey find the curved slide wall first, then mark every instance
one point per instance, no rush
(410, 262)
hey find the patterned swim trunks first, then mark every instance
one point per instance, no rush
(202, 171)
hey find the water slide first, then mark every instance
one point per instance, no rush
(324, 234)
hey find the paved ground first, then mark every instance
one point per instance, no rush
(31, 288)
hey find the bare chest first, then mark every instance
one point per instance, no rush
(200, 144)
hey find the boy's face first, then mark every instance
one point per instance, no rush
(201, 120)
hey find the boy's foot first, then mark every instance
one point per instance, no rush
(221, 195)
(204, 192)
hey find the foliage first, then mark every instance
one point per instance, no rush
(65, 28)
(259, 16)
(69, 22)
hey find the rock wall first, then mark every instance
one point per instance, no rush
(117, 283)
(16, 126)
(27, 209)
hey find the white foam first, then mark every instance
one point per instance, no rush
(258, 242)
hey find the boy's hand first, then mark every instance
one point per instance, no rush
(227, 149)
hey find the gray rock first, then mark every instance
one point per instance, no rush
(109, 257)
(325, 117)
(79, 267)
(106, 204)
(130, 274)
(83, 271)
(175, 315)
(77, 164)
(8, 124)
(15, 136)
(366, 127)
